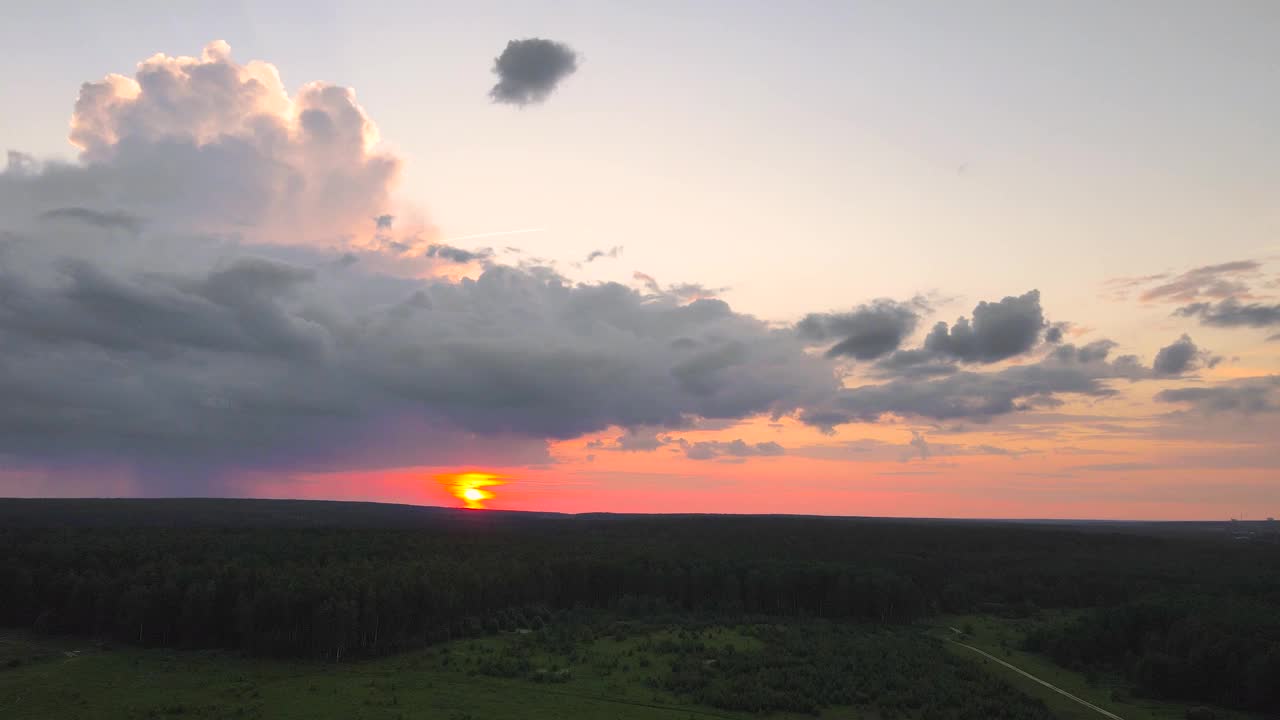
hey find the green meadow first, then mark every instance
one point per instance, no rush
(610, 670)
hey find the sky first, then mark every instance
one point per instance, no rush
(977, 259)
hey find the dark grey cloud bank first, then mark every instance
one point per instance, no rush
(529, 70)
(251, 356)
(169, 351)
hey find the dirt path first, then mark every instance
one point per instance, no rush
(1049, 685)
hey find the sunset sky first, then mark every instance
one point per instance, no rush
(977, 259)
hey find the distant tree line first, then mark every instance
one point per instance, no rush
(336, 592)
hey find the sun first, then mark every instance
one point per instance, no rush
(470, 487)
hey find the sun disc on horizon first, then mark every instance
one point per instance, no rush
(469, 487)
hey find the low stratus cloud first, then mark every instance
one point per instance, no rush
(1220, 281)
(1232, 313)
(1247, 396)
(917, 446)
(220, 284)
(111, 220)
(458, 255)
(529, 70)
(866, 333)
(738, 448)
(1216, 295)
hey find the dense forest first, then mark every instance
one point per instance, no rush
(1186, 614)
(1221, 649)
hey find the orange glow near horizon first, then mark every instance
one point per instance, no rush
(469, 487)
(1039, 465)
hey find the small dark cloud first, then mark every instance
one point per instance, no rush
(1115, 467)
(1232, 313)
(994, 450)
(1096, 351)
(1182, 356)
(457, 255)
(1056, 331)
(528, 70)
(998, 331)
(866, 333)
(384, 222)
(106, 219)
(649, 282)
(637, 440)
(680, 292)
(1248, 396)
(692, 292)
(769, 448)
(612, 252)
(918, 446)
(710, 450)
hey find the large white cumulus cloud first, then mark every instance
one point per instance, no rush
(207, 144)
(196, 296)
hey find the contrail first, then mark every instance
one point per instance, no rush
(499, 233)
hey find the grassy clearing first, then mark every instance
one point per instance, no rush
(1002, 638)
(603, 679)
